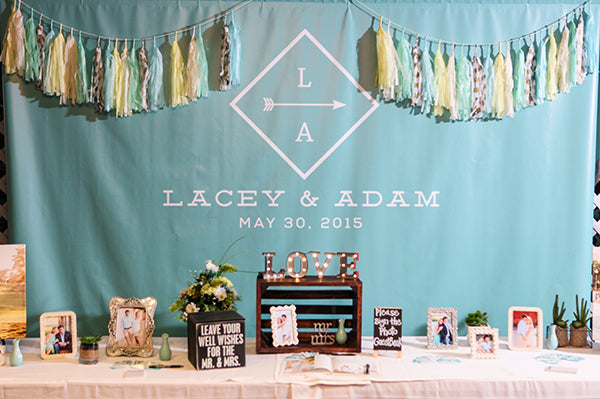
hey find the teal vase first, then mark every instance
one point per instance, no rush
(341, 336)
(165, 350)
(552, 339)
(16, 357)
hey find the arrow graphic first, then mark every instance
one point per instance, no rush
(270, 104)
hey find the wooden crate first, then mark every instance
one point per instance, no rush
(317, 300)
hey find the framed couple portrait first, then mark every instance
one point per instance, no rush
(131, 327)
(284, 325)
(484, 342)
(58, 335)
(442, 328)
(525, 328)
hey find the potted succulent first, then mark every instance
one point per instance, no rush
(562, 329)
(88, 349)
(475, 319)
(579, 328)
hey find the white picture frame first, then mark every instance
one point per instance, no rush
(58, 335)
(484, 342)
(525, 328)
(442, 328)
(284, 325)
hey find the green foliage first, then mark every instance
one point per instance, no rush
(476, 318)
(210, 290)
(581, 313)
(557, 315)
(91, 339)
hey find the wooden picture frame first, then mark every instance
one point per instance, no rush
(58, 335)
(525, 328)
(484, 342)
(442, 328)
(284, 325)
(131, 327)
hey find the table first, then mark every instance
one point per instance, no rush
(515, 374)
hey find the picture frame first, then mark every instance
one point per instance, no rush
(13, 308)
(484, 342)
(442, 328)
(525, 328)
(58, 335)
(131, 327)
(284, 325)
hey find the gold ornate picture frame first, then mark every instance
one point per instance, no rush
(484, 342)
(442, 328)
(284, 325)
(131, 327)
(58, 335)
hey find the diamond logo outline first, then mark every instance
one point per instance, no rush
(336, 63)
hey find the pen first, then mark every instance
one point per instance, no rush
(165, 366)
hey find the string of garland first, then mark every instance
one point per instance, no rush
(130, 81)
(469, 89)
(125, 81)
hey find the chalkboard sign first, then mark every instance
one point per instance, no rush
(216, 340)
(387, 329)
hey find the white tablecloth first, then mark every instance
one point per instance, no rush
(516, 374)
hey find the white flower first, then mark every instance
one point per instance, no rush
(211, 266)
(234, 292)
(191, 308)
(221, 294)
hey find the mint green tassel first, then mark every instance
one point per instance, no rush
(464, 80)
(540, 73)
(82, 75)
(572, 54)
(202, 67)
(588, 39)
(235, 53)
(519, 80)
(109, 81)
(156, 96)
(404, 70)
(428, 81)
(32, 52)
(135, 97)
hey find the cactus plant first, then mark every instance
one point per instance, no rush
(557, 315)
(476, 318)
(581, 313)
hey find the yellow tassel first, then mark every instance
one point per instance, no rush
(57, 66)
(13, 49)
(177, 76)
(118, 90)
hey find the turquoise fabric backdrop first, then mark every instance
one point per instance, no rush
(506, 205)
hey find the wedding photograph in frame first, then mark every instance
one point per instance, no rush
(284, 325)
(525, 328)
(484, 342)
(131, 327)
(442, 328)
(58, 335)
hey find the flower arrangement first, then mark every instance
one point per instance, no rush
(209, 291)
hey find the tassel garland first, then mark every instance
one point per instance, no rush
(479, 87)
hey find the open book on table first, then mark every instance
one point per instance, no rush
(310, 362)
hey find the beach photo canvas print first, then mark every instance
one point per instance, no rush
(13, 315)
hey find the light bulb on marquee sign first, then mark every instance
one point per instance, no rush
(347, 265)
